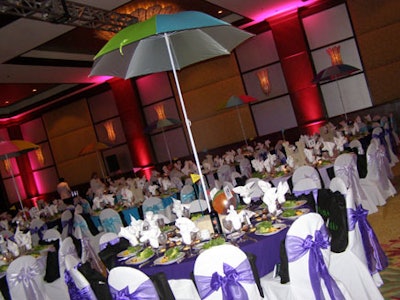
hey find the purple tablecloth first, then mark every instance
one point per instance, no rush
(266, 251)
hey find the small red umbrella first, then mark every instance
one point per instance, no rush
(14, 148)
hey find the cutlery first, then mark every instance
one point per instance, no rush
(143, 264)
(181, 259)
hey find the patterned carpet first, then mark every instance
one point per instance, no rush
(391, 275)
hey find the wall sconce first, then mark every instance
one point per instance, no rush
(39, 156)
(7, 165)
(336, 57)
(109, 126)
(263, 78)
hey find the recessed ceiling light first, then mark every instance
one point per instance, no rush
(34, 90)
(220, 12)
(6, 102)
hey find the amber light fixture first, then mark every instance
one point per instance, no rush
(109, 126)
(263, 78)
(336, 57)
(39, 156)
(7, 165)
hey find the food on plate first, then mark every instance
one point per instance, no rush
(130, 250)
(266, 227)
(145, 254)
(291, 203)
(170, 254)
(214, 242)
(292, 213)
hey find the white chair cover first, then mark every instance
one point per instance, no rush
(308, 249)
(379, 135)
(67, 247)
(338, 185)
(25, 279)
(224, 272)
(198, 205)
(67, 223)
(80, 222)
(110, 220)
(357, 144)
(37, 228)
(108, 238)
(183, 289)
(78, 286)
(306, 186)
(187, 193)
(131, 283)
(346, 168)
(51, 235)
(350, 266)
(303, 172)
(379, 171)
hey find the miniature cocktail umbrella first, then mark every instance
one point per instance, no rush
(14, 148)
(168, 43)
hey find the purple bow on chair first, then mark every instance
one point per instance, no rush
(85, 293)
(39, 231)
(144, 291)
(230, 283)
(376, 258)
(350, 171)
(111, 242)
(381, 138)
(26, 277)
(70, 224)
(297, 247)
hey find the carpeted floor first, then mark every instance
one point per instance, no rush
(386, 225)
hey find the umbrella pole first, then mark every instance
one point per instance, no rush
(341, 98)
(187, 121)
(241, 125)
(16, 187)
(166, 146)
(101, 166)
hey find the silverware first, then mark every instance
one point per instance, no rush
(145, 263)
(181, 259)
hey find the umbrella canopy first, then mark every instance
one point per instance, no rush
(14, 148)
(239, 100)
(93, 147)
(162, 124)
(140, 49)
(334, 72)
(168, 43)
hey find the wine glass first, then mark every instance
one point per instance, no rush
(163, 239)
(228, 225)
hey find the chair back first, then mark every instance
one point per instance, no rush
(187, 193)
(198, 205)
(224, 173)
(67, 223)
(338, 185)
(25, 279)
(67, 247)
(108, 238)
(127, 283)
(153, 204)
(357, 144)
(51, 235)
(303, 172)
(213, 273)
(308, 250)
(80, 222)
(37, 229)
(111, 220)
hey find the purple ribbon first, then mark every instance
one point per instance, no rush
(297, 247)
(144, 291)
(85, 293)
(69, 223)
(112, 242)
(350, 172)
(26, 276)
(230, 283)
(381, 138)
(376, 257)
(39, 231)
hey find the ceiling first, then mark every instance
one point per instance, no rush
(43, 61)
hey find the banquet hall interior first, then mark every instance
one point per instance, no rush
(268, 90)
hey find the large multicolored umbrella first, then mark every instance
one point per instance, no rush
(14, 148)
(335, 72)
(168, 43)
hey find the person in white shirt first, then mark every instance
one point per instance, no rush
(96, 185)
(64, 191)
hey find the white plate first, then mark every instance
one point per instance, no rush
(303, 210)
(235, 235)
(158, 261)
(126, 253)
(279, 227)
(137, 261)
(297, 205)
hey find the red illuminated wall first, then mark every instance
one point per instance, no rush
(297, 68)
(129, 110)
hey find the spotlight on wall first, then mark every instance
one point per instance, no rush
(263, 78)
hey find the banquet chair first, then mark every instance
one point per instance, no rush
(110, 220)
(359, 223)
(379, 172)
(153, 204)
(51, 235)
(128, 283)
(224, 272)
(357, 144)
(187, 193)
(67, 247)
(345, 167)
(306, 172)
(307, 187)
(224, 173)
(308, 251)
(25, 279)
(67, 223)
(84, 232)
(78, 286)
(108, 238)
(378, 134)
(37, 229)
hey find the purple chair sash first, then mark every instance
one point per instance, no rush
(26, 277)
(376, 257)
(297, 247)
(85, 293)
(70, 224)
(144, 291)
(111, 242)
(39, 231)
(381, 138)
(230, 283)
(350, 171)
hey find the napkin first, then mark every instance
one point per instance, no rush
(329, 146)
(281, 191)
(340, 141)
(234, 217)
(23, 239)
(186, 227)
(12, 247)
(151, 235)
(178, 207)
(258, 165)
(109, 199)
(309, 155)
(245, 191)
(126, 233)
(270, 196)
(96, 203)
(290, 161)
(153, 189)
